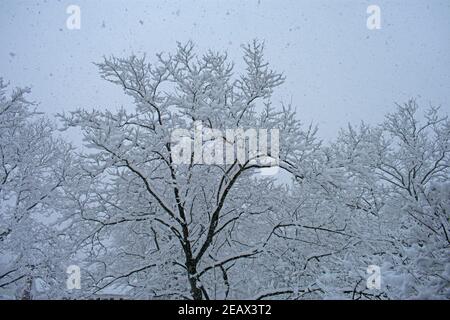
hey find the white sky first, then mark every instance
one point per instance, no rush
(337, 70)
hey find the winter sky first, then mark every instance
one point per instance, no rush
(337, 70)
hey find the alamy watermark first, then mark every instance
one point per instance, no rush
(74, 279)
(208, 146)
(73, 22)
(374, 20)
(374, 278)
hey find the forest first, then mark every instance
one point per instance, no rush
(364, 216)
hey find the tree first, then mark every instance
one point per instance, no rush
(416, 165)
(33, 166)
(176, 198)
(167, 220)
(397, 176)
(379, 197)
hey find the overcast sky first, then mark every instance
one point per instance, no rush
(337, 70)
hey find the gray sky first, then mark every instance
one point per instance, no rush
(337, 70)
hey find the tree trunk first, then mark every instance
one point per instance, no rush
(192, 271)
(26, 293)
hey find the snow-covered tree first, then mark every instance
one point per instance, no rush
(181, 230)
(155, 207)
(379, 197)
(32, 168)
(397, 187)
